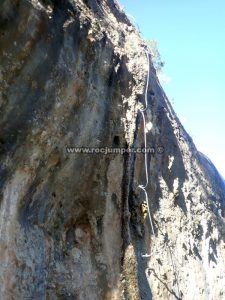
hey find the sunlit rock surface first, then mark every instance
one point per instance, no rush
(75, 226)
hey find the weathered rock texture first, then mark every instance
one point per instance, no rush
(74, 226)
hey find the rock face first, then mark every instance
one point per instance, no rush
(73, 225)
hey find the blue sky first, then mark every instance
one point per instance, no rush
(191, 40)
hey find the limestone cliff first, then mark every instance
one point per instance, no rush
(74, 226)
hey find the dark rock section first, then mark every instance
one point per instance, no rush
(75, 225)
